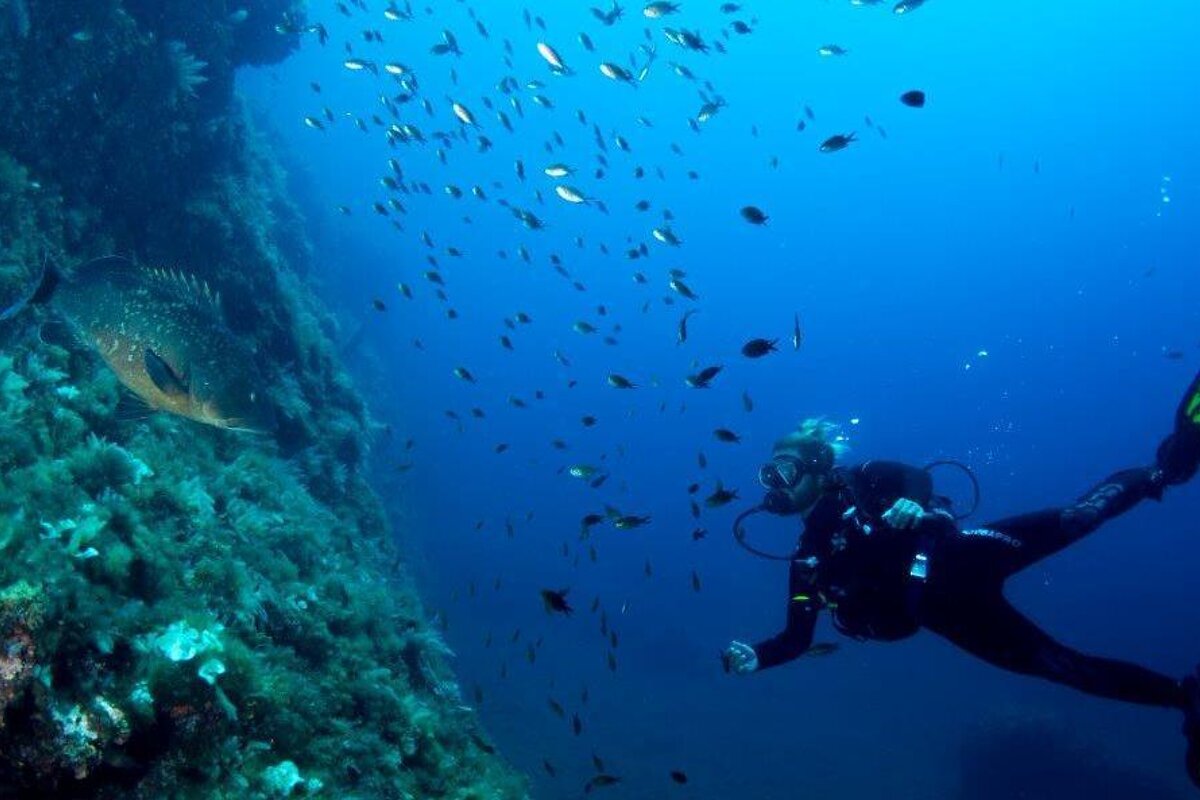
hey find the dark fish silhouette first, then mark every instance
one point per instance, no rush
(754, 215)
(555, 601)
(839, 141)
(757, 348)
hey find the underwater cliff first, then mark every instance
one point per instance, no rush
(187, 611)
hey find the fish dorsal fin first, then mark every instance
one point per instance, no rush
(188, 285)
(183, 284)
(113, 268)
(168, 381)
(108, 264)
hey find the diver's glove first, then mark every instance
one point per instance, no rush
(904, 514)
(740, 658)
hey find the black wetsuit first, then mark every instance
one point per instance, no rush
(859, 569)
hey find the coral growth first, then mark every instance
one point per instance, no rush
(188, 612)
(21, 614)
(188, 71)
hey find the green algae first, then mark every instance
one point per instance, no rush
(131, 540)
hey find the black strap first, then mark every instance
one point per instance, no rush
(975, 492)
(739, 535)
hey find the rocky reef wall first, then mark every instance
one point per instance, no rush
(185, 611)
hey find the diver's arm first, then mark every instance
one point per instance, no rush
(797, 635)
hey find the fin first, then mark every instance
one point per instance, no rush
(51, 277)
(160, 372)
(182, 284)
(187, 285)
(116, 269)
(1179, 454)
(57, 332)
(37, 293)
(131, 407)
(105, 264)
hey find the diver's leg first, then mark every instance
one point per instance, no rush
(990, 628)
(1014, 543)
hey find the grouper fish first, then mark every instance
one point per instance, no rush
(163, 334)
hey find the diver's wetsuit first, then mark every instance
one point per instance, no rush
(864, 578)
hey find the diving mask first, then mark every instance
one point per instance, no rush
(785, 471)
(783, 475)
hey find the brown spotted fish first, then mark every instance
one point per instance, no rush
(163, 334)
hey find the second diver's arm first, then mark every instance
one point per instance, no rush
(797, 635)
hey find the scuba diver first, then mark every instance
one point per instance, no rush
(886, 557)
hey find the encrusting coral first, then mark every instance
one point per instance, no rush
(187, 612)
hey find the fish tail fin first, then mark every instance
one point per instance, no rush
(38, 292)
(51, 278)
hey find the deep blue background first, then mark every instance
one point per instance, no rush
(1020, 213)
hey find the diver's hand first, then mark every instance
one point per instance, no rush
(904, 514)
(740, 658)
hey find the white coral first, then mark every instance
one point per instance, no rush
(83, 531)
(93, 521)
(189, 70)
(282, 780)
(182, 642)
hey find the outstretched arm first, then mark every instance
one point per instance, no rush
(797, 635)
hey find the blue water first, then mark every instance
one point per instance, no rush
(1020, 214)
